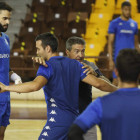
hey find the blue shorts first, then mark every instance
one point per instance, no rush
(5, 111)
(54, 133)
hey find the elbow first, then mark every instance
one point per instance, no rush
(98, 85)
(35, 88)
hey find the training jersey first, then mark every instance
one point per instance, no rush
(117, 114)
(85, 90)
(124, 34)
(4, 65)
(62, 90)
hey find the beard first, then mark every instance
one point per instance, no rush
(2, 29)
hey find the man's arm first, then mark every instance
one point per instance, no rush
(137, 43)
(111, 38)
(34, 85)
(99, 83)
(104, 78)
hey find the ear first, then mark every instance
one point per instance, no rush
(67, 52)
(116, 72)
(48, 48)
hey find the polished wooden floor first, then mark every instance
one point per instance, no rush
(27, 120)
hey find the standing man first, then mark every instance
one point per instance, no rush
(75, 49)
(5, 71)
(118, 113)
(60, 81)
(123, 33)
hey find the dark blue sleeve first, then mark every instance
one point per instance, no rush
(111, 29)
(91, 116)
(98, 73)
(136, 31)
(45, 71)
(83, 75)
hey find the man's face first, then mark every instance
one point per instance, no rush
(126, 11)
(5, 17)
(77, 52)
(40, 50)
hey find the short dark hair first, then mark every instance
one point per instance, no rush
(128, 65)
(126, 3)
(48, 39)
(74, 40)
(5, 6)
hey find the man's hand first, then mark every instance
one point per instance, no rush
(89, 69)
(39, 60)
(111, 64)
(2, 87)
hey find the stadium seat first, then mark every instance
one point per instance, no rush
(56, 19)
(61, 3)
(99, 4)
(93, 49)
(69, 32)
(41, 2)
(22, 48)
(93, 32)
(136, 17)
(82, 5)
(99, 18)
(77, 19)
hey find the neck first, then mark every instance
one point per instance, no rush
(124, 18)
(51, 55)
(127, 85)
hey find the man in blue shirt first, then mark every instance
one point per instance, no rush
(118, 113)
(5, 71)
(60, 82)
(123, 33)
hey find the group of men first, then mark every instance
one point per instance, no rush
(67, 83)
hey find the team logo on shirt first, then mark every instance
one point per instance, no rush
(42, 139)
(6, 42)
(132, 24)
(45, 134)
(120, 23)
(47, 127)
(52, 100)
(52, 119)
(53, 112)
(53, 105)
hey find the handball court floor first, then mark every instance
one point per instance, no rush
(27, 120)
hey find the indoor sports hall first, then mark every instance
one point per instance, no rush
(88, 19)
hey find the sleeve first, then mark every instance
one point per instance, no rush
(136, 31)
(98, 73)
(111, 29)
(91, 116)
(45, 71)
(83, 75)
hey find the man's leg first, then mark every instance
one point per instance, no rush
(2, 132)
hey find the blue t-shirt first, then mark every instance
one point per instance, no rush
(62, 90)
(4, 65)
(124, 34)
(117, 114)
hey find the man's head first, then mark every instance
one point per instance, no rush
(128, 65)
(75, 48)
(126, 9)
(46, 43)
(5, 16)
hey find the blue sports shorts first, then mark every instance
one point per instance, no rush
(54, 133)
(5, 111)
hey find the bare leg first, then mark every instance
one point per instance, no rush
(2, 131)
(115, 81)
